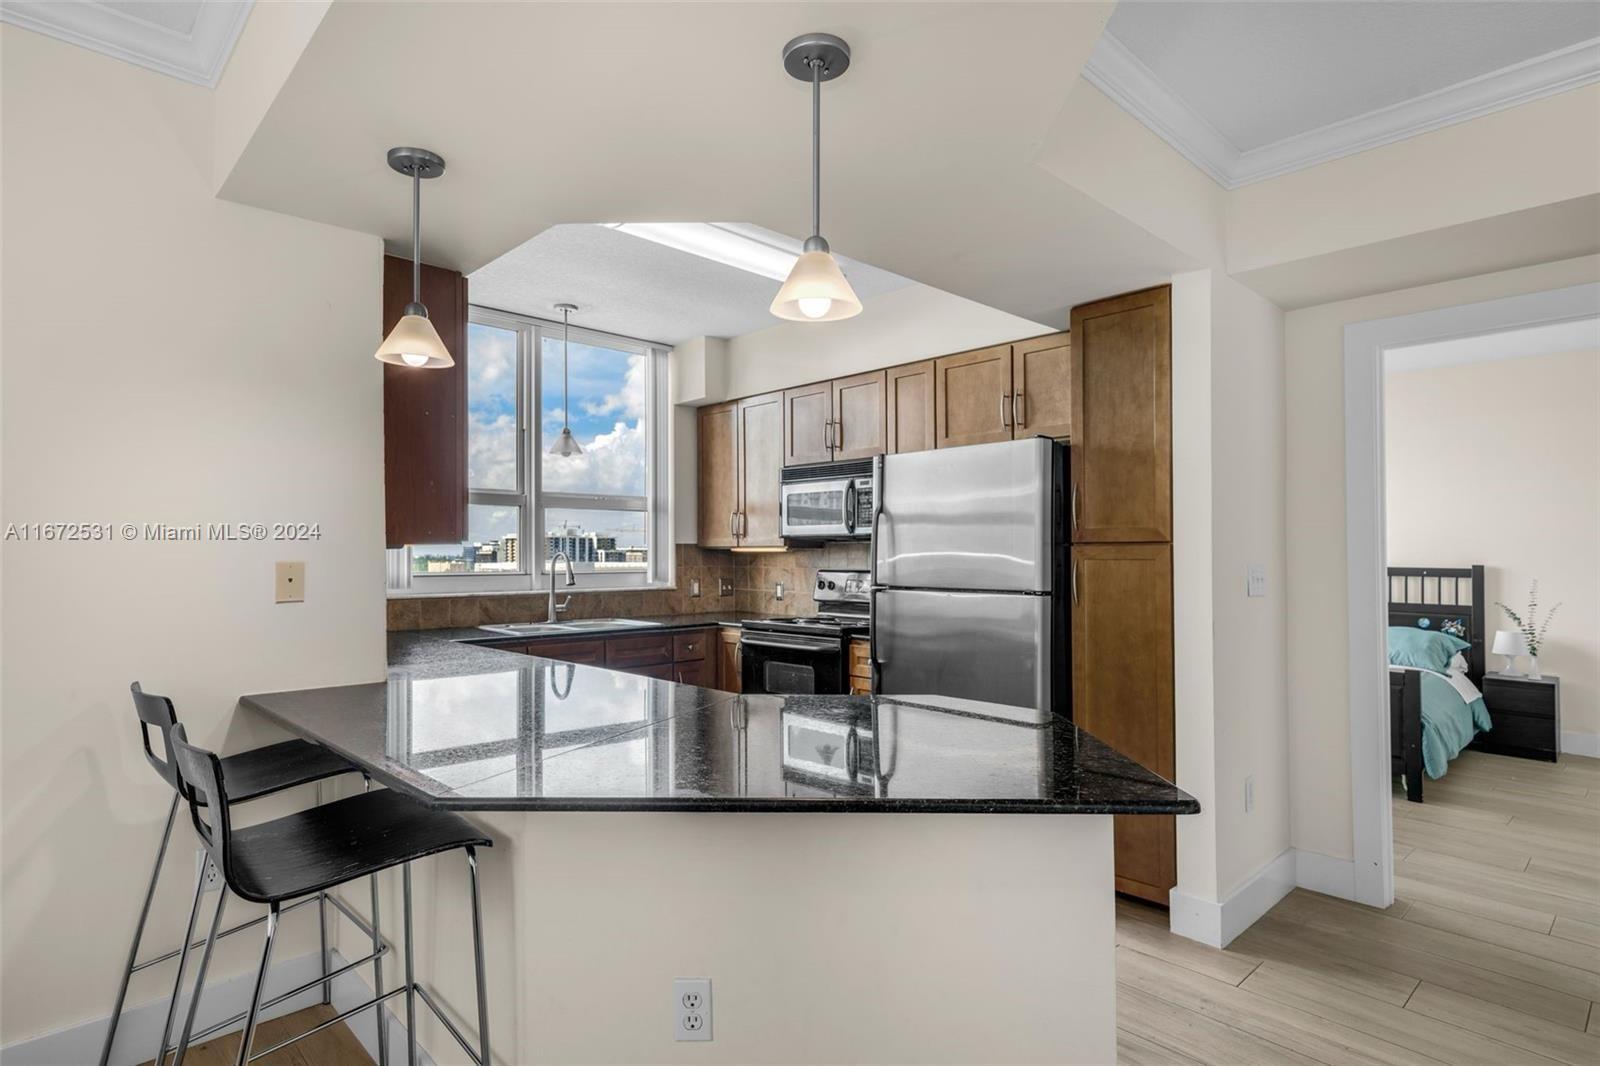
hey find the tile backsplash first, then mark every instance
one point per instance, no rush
(754, 578)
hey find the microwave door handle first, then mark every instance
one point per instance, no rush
(850, 506)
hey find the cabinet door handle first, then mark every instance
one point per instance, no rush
(1074, 581)
(1005, 409)
(733, 523)
(1019, 410)
(838, 435)
(744, 524)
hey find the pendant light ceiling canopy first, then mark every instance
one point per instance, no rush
(566, 444)
(414, 342)
(816, 289)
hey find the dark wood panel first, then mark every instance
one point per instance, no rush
(623, 653)
(972, 397)
(584, 652)
(807, 424)
(692, 645)
(701, 672)
(664, 672)
(1041, 374)
(728, 664)
(425, 416)
(1122, 418)
(858, 416)
(909, 407)
(760, 470)
(719, 475)
(1122, 687)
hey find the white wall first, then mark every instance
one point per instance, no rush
(167, 358)
(1228, 497)
(1499, 463)
(1318, 652)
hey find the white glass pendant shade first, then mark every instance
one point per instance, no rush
(816, 291)
(414, 342)
(566, 444)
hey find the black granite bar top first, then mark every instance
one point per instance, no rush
(472, 728)
(659, 623)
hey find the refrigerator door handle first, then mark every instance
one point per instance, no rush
(872, 572)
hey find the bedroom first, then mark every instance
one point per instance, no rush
(1492, 470)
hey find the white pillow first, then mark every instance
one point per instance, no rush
(1458, 664)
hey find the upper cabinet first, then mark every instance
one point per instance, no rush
(841, 419)
(908, 404)
(425, 416)
(1122, 418)
(1008, 392)
(740, 460)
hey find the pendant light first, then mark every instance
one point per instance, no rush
(414, 342)
(566, 444)
(816, 290)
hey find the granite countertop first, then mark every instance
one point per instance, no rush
(660, 623)
(471, 728)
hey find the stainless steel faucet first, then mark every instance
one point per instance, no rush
(571, 581)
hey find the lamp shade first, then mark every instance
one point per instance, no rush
(414, 342)
(816, 291)
(566, 444)
(1510, 642)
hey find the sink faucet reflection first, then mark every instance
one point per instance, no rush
(571, 581)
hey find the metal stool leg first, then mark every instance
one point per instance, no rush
(255, 997)
(381, 1013)
(200, 979)
(322, 930)
(411, 973)
(477, 953)
(183, 962)
(138, 934)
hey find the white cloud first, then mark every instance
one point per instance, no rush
(629, 400)
(492, 452)
(612, 464)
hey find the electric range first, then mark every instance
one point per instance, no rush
(808, 654)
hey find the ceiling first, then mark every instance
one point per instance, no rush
(1555, 338)
(187, 39)
(1252, 90)
(637, 288)
(609, 126)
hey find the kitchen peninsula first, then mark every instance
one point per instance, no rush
(941, 912)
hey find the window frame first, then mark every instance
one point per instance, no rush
(529, 495)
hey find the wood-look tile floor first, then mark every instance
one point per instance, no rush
(334, 1046)
(1490, 954)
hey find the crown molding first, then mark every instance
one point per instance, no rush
(1122, 76)
(198, 56)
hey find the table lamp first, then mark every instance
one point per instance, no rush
(1510, 643)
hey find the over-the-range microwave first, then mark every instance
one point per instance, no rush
(827, 501)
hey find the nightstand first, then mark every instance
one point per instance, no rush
(1526, 715)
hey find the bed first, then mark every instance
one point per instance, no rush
(1435, 708)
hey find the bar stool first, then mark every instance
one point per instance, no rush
(315, 850)
(252, 774)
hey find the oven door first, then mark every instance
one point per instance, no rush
(789, 664)
(819, 508)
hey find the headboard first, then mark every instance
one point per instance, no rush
(1445, 599)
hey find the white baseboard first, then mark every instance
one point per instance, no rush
(140, 1028)
(1574, 743)
(1217, 924)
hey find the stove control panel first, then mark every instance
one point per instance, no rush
(836, 586)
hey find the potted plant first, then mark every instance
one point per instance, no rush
(1532, 628)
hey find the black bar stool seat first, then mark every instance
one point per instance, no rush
(276, 767)
(322, 847)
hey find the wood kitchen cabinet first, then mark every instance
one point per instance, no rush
(908, 407)
(1041, 387)
(972, 397)
(740, 460)
(831, 420)
(1122, 418)
(730, 668)
(1122, 688)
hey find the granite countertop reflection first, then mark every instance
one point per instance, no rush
(659, 623)
(471, 728)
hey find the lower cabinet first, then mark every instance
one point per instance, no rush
(701, 672)
(684, 656)
(860, 668)
(1122, 688)
(730, 667)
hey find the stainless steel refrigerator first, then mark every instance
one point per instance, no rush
(969, 562)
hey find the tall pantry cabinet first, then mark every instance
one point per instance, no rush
(1121, 574)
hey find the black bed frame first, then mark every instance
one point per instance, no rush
(1435, 595)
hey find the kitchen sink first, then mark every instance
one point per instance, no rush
(552, 629)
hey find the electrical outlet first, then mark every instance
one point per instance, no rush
(1255, 580)
(291, 582)
(724, 587)
(207, 870)
(1249, 793)
(691, 1008)
(694, 588)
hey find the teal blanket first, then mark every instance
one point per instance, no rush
(1449, 723)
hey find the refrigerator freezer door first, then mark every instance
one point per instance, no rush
(993, 647)
(978, 517)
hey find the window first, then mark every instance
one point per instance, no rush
(601, 507)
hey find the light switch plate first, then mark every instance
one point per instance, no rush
(1256, 580)
(291, 582)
